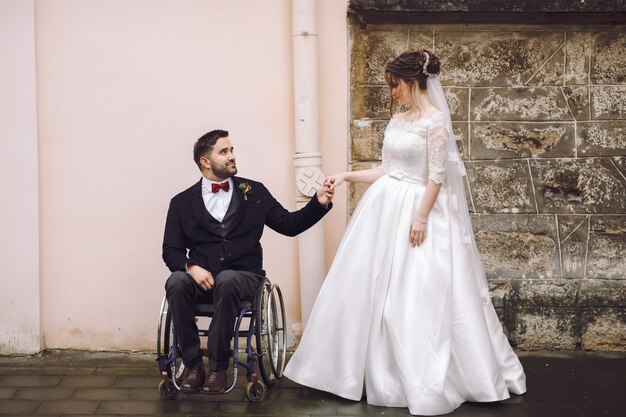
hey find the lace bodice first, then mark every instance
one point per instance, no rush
(416, 151)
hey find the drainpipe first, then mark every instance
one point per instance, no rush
(307, 159)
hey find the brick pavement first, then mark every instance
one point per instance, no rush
(61, 383)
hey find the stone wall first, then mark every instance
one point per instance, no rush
(540, 114)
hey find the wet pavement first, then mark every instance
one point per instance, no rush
(60, 383)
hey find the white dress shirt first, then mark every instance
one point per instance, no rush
(216, 203)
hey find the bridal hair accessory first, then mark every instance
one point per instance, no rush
(424, 68)
(245, 189)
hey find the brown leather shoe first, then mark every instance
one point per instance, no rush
(215, 382)
(193, 378)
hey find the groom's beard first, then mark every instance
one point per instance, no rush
(224, 171)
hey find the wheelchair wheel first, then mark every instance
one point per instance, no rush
(254, 391)
(270, 332)
(167, 390)
(168, 355)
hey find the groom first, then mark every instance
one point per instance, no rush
(212, 246)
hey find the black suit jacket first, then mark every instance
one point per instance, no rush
(192, 235)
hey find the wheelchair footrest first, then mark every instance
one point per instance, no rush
(163, 364)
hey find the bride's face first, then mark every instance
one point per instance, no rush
(401, 92)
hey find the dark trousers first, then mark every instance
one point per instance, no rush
(183, 293)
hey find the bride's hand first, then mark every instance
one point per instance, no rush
(334, 180)
(418, 232)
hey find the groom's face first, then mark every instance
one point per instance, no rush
(220, 162)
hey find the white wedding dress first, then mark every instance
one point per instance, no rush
(409, 323)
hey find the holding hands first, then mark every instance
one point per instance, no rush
(334, 180)
(325, 194)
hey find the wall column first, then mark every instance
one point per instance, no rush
(307, 159)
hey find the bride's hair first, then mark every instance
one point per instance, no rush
(409, 67)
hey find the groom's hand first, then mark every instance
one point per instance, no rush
(325, 195)
(202, 277)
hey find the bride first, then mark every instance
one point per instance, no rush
(405, 310)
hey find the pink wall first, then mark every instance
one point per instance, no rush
(124, 88)
(19, 232)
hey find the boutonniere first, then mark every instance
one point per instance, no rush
(245, 188)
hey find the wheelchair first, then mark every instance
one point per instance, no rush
(266, 343)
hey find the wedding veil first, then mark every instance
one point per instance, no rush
(455, 174)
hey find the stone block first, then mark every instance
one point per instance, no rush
(608, 102)
(499, 292)
(602, 293)
(578, 101)
(592, 185)
(521, 140)
(481, 58)
(371, 102)
(357, 189)
(519, 104)
(546, 328)
(367, 139)
(420, 40)
(519, 7)
(604, 330)
(573, 236)
(382, 47)
(501, 186)
(602, 138)
(620, 163)
(578, 46)
(517, 246)
(551, 73)
(608, 60)
(550, 293)
(458, 102)
(606, 256)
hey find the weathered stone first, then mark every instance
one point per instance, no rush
(608, 102)
(604, 330)
(527, 104)
(367, 139)
(578, 186)
(420, 40)
(515, 140)
(491, 6)
(578, 46)
(579, 313)
(498, 58)
(517, 246)
(578, 101)
(607, 247)
(357, 189)
(620, 163)
(499, 292)
(573, 235)
(602, 138)
(602, 293)
(551, 73)
(609, 58)
(358, 58)
(372, 102)
(458, 102)
(552, 328)
(461, 130)
(519, 99)
(547, 294)
(501, 187)
(382, 47)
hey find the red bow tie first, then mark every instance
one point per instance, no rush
(223, 186)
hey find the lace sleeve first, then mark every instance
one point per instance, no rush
(437, 152)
